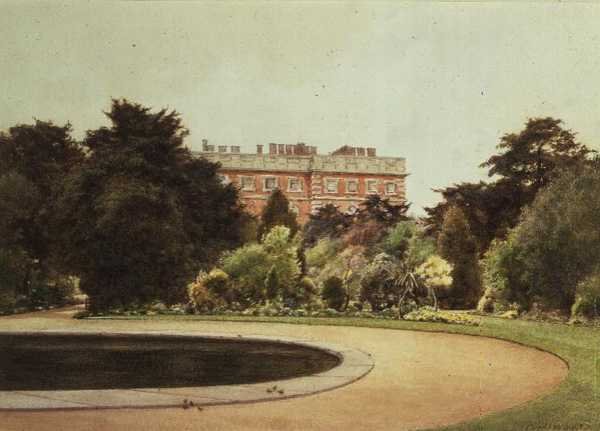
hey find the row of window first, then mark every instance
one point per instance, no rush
(332, 185)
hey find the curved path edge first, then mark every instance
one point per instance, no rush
(354, 364)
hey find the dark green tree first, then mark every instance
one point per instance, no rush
(491, 209)
(532, 157)
(333, 293)
(526, 162)
(272, 289)
(34, 158)
(557, 244)
(459, 248)
(277, 212)
(140, 215)
(327, 221)
(382, 211)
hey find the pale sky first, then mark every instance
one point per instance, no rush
(437, 83)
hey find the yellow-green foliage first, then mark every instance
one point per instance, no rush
(348, 265)
(428, 314)
(322, 253)
(199, 294)
(587, 298)
(249, 266)
(435, 272)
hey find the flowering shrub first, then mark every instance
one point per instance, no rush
(428, 314)
(200, 295)
(435, 272)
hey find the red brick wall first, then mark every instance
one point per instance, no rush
(314, 192)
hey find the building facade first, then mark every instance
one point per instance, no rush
(343, 178)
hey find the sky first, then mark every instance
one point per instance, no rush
(435, 82)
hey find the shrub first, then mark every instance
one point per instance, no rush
(201, 298)
(83, 314)
(303, 294)
(397, 241)
(406, 241)
(366, 234)
(557, 244)
(499, 265)
(217, 283)
(587, 298)
(249, 267)
(428, 314)
(323, 252)
(282, 251)
(377, 286)
(435, 273)
(333, 293)
(457, 245)
(347, 264)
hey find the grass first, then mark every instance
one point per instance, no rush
(575, 405)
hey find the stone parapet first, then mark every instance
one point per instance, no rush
(312, 163)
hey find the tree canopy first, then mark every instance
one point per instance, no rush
(34, 158)
(526, 162)
(556, 246)
(140, 214)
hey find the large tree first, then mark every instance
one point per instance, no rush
(140, 214)
(555, 246)
(526, 162)
(34, 158)
(532, 157)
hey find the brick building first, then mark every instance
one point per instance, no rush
(309, 180)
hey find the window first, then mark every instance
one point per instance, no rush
(390, 188)
(269, 184)
(247, 183)
(371, 186)
(351, 186)
(294, 184)
(331, 185)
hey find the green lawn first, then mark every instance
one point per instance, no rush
(574, 406)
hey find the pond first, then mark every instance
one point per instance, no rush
(129, 361)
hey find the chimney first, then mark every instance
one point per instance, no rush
(222, 148)
(313, 150)
(371, 152)
(210, 148)
(259, 149)
(235, 149)
(289, 149)
(272, 148)
(204, 144)
(280, 148)
(360, 151)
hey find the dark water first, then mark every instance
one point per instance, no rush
(60, 362)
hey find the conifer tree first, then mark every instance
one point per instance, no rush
(457, 245)
(277, 212)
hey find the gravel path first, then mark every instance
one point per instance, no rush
(420, 380)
